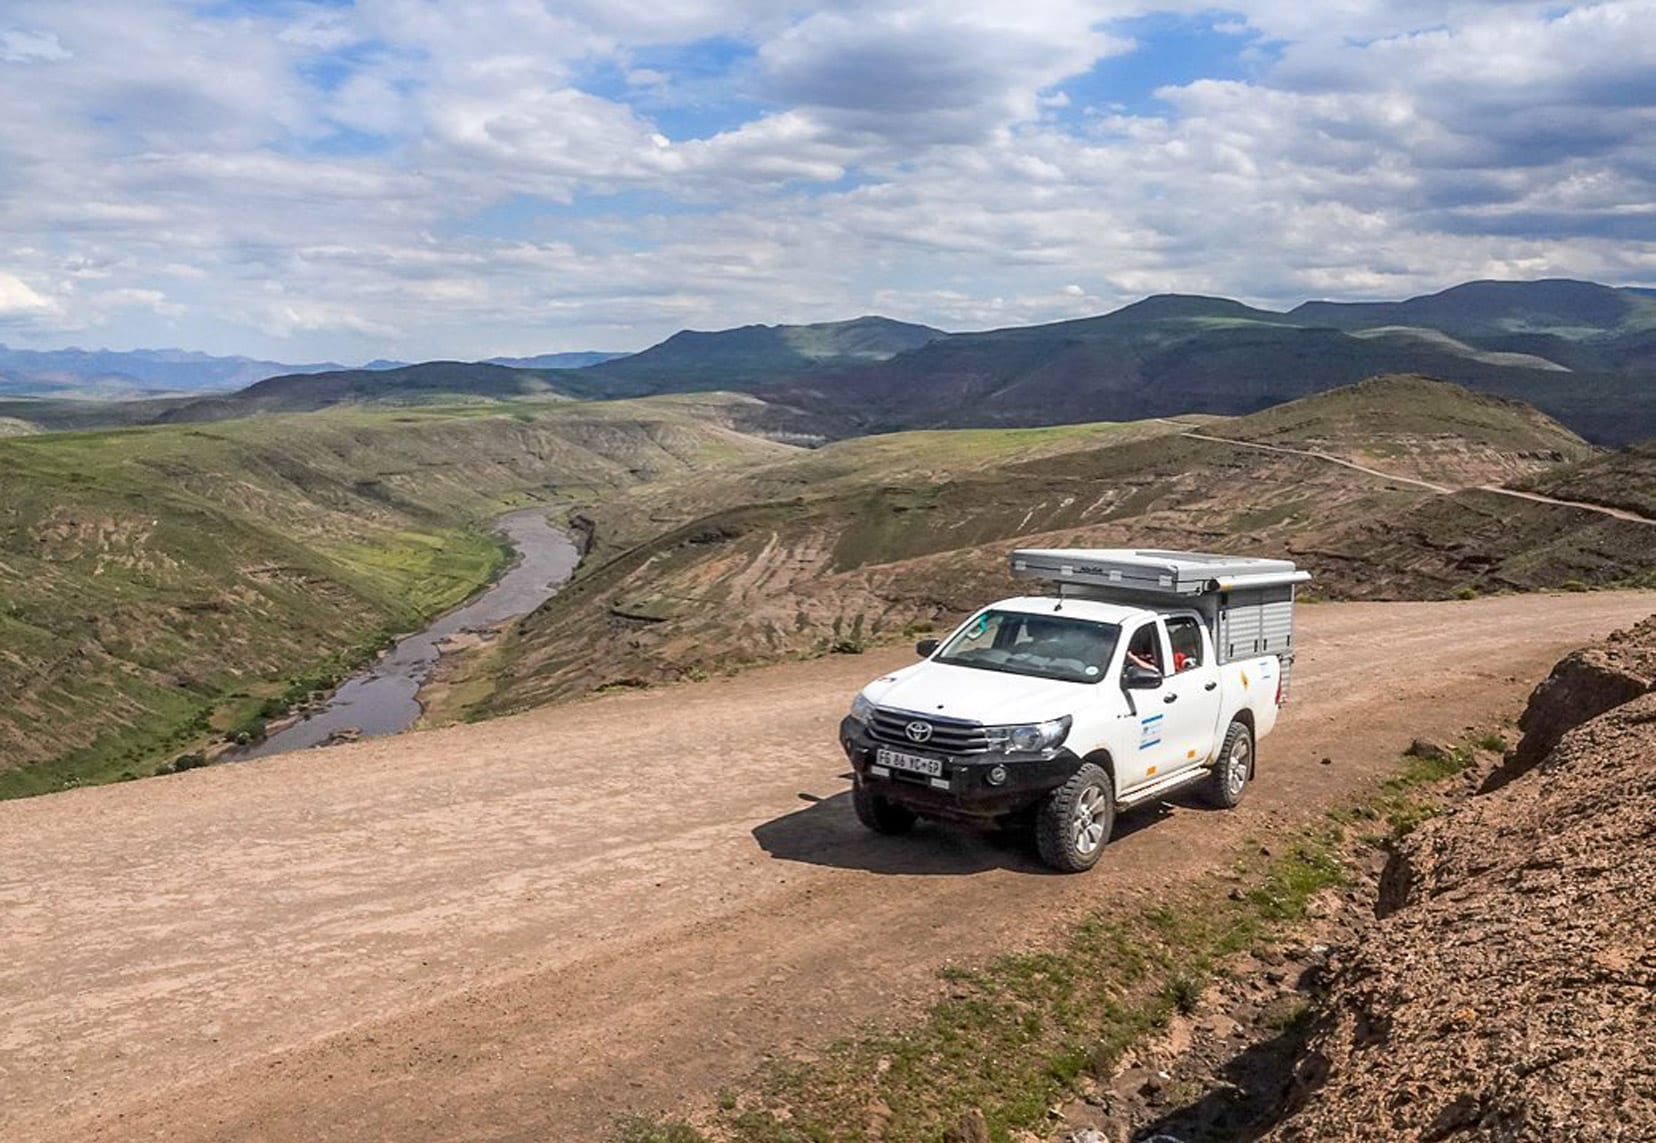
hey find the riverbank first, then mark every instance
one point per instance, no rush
(384, 697)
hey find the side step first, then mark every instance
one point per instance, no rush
(1166, 785)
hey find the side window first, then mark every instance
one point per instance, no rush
(1144, 649)
(1184, 634)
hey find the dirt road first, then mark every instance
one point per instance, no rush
(1442, 489)
(518, 929)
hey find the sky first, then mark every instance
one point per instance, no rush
(414, 179)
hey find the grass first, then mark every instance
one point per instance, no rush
(1017, 1034)
(162, 585)
(1020, 1033)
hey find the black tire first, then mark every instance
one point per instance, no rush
(880, 815)
(1073, 825)
(1233, 768)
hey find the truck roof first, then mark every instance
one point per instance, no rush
(1095, 610)
(1153, 570)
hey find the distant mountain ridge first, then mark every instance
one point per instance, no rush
(1581, 352)
(110, 374)
(578, 360)
(688, 361)
(122, 373)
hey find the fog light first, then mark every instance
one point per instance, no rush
(997, 775)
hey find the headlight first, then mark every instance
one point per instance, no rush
(1031, 738)
(862, 710)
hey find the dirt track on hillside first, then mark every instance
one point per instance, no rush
(522, 928)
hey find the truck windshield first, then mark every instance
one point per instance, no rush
(1046, 646)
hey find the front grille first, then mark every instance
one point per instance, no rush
(949, 736)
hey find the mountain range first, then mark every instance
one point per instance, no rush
(108, 374)
(1582, 352)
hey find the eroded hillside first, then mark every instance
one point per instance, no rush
(1624, 479)
(842, 561)
(158, 582)
(1509, 988)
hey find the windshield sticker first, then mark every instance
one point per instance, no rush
(1150, 732)
(1092, 670)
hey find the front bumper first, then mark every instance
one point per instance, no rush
(963, 791)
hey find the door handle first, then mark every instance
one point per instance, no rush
(1210, 686)
(1170, 698)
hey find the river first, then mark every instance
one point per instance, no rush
(381, 699)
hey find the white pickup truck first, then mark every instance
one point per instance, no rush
(1143, 672)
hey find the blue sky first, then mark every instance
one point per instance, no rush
(424, 178)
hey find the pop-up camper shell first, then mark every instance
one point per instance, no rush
(1248, 603)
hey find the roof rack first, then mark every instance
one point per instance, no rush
(1153, 570)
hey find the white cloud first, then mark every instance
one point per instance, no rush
(23, 45)
(16, 297)
(376, 179)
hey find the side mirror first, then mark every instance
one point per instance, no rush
(926, 648)
(1137, 678)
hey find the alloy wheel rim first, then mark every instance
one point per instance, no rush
(1088, 821)
(1236, 769)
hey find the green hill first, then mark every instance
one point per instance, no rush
(1579, 325)
(1557, 306)
(736, 358)
(157, 583)
(1173, 355)
(431, 383)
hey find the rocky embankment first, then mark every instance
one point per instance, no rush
(1508, 989)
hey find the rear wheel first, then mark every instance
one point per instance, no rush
(1233, 767)
(878, 814)
(1075, 821)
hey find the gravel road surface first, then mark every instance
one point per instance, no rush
(519, 929)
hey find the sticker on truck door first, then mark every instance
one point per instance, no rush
(1150, 731)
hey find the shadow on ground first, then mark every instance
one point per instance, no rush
(827, 832)
(1254, 1091)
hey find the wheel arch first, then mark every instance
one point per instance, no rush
(1103, 759)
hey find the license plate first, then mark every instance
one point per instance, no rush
(913, 763)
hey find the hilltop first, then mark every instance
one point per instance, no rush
(739, 358)
(432, 383)
(1418, 427)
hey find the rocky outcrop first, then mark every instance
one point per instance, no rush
(1510, 992)
(1582, 686)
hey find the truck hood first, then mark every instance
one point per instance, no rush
(994, 698)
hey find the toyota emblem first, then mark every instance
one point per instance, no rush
(918, 731)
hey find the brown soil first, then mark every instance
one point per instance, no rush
(522, 928)
(1509, 990)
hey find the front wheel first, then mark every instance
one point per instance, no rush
(878, 814)
(1233, 767)
(1075, 821)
